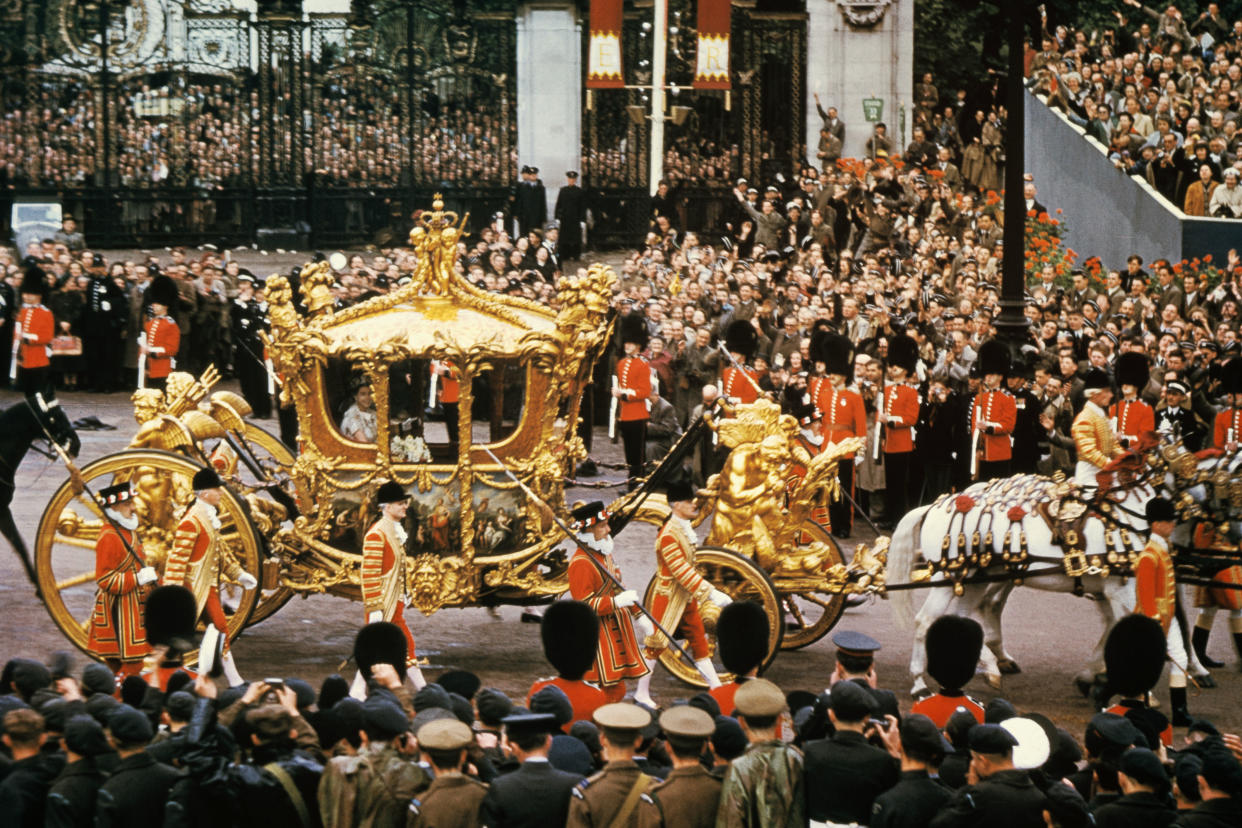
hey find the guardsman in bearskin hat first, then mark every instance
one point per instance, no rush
(680, 590)
(742, 641)
(617, 656)
(200, 560)
(1092, 432)
(117, 634)
(817, 350)
(170, 619)
(161, 338)
(1135, 653)
(843, 417)
(32, 337)
(899, 414)
(379, 642)
(632, 388)
(742, 341)
(954, 643)
(1227, 430)
(1130, 415)
(993, 414)
(573, 645)
(383, 570)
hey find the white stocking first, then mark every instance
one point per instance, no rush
(230, 671)
(358, 689)
(416, 677)
(709, 670)
(642, 693)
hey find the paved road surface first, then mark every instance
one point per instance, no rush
(1050, 635)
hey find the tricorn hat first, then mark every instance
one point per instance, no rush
(742, 636)
(634, 329)
(390, 492)
(1134, 654)
(954, 643)
(380, 643)
(1159, 508)
(742, 338)
(586, 515)
(34, 280)
(163, 292)
(570, 635)
(903, 352)
(993, 357)
(206, 478)
(171, 614)
(1133, 369)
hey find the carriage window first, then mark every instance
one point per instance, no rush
(351, 401)
(499, 401)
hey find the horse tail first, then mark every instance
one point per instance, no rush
(901, 551)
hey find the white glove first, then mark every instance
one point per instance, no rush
(719, 599)
(858, 458)
(644, 628)
(247, 581)
(147, 575)
(374, 616)
(625, 599)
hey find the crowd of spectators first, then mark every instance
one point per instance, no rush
(1158, 91)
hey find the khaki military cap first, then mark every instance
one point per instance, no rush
(445, 734)
(759, 697)
(622, 716)
(687, 721)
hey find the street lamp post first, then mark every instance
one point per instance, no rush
(1011, 323)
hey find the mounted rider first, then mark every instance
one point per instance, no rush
(1093, 433)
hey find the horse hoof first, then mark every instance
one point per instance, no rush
(994, 681)
(1084, 685)
(1205, 681)
(1008, 667)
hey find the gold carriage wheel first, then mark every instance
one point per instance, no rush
(742, 580)
(810, 615)
(65, 544)
(262, 442)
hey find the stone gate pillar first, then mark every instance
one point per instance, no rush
(856, 50)
(549, 91)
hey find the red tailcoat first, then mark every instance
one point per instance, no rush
(38, 327)
(383, 578)
(1155, 587)
(900, 401)
(679, 590)
(1134, 418)
(994, 407)
(117, 628)
(198, 560)
(617, 657)
(634, 380)
(163, 342)
(737, 387)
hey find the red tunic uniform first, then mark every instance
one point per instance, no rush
(940, 708)
(117, 629)
(163, 342)
(843, 413)
(994, 407)
(724, 696)
(679, 590)
(585, 697)
(383, 577)
(901, 402)
(450, 389)
(634, 380)
(617, 657)
(735, 386)
(1228, 427)
(1155, 588)
(37, 328)
(1133, 418)
(198, 560)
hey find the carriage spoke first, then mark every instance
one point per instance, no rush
(76, 580)
(81, 543)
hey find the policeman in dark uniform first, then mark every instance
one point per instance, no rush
(453, 798)
(71, 800)
(1026, 430)
(530, 201)
(856, 662)
(844, 774)
(105, 316)
(917, 797)
(611, 797)
(690, 796)
(571, 213)
(247, 320)
(536, 794)
(136, 792)
(1174, 416)
(1004, 795)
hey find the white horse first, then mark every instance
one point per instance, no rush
(1005, 511)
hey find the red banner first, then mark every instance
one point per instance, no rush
(604, 54)
(712, 64)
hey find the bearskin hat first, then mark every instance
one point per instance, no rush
(570, 635)
(742, 338)
(742, 636)
(903, 352)
(838, 354)
(380, 643)
(993, 357)
(163, 291)
(1134, 655)
(634, 329)
(797, 403)
(171, 614)
(34, 280)
(954, 643)
(1133, 369)
(1231, 376)
(817, 349)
